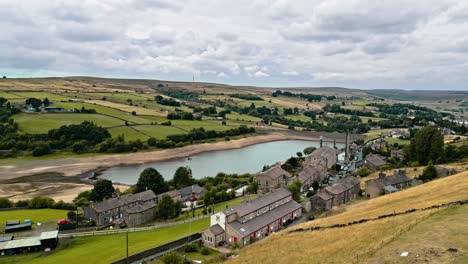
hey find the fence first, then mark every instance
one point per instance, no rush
(154, 252)
(129, 230)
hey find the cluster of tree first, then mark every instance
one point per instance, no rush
(36, 103)
(181, 94)
(334, 108)
(251, 97)
(290, 111)
(201, 134)
(39, 202)
(311, 114)
(120, 145)
(295, 189)
(427, 145)
(206, 111)
(399, 108)
(166, 101)
(85, 131)
(180, 116)
(83, 110)
(308, 97)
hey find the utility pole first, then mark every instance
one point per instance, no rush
(126, 259)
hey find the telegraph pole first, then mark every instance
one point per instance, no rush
(126, 259)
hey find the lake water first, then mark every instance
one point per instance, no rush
(250, 159)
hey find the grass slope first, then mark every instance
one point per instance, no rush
(358, 243)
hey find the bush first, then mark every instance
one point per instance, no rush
(151, 142)
(41, 149)
(205, 251)
(191, 247)
(5, 203)
(71, 215)
(172, 258)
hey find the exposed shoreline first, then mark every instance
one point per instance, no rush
(83, 166)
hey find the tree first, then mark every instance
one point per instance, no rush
(46, 101)
(5, 203)
(102, 189)
(295, 189)
(166, 207)
(427, 145)
(429, 173)
(151, 179)
(299, 154)
(253, 187)
(79, 147)
(34, 102)
(41, 149)
(363, 172)
(40, 202)
(151, 141)
(2, 101)
(182, 177)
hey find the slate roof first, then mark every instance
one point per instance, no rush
(49, 235)
(324, 195)
(216, 229)
(172, 193)
(274, 173)
(123, 200)
(310, 171)
(21, 243)
(191, 189)
(342, 186)
(397, 178)
(375, 159)
(142, 207)
(251, 206)
(247, 228)
(325, 152)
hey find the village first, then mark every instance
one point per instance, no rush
(281, 195)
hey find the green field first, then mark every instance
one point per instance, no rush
(130, 133)
(106, 111)
(159, 132)
(37, 215)
(42, 123)
(392, 141)
(42, 95)
(109, 248)
(299, 118)
(236, 116)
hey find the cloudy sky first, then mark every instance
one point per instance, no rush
(360, 44)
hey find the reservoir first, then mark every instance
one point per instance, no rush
(250, 159)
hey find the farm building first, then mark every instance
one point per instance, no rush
(30, 244)
(253, 220)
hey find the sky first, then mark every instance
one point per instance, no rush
(395, 44)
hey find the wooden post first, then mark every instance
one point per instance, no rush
(126, 259)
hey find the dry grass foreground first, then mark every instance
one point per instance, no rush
(358, 243)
